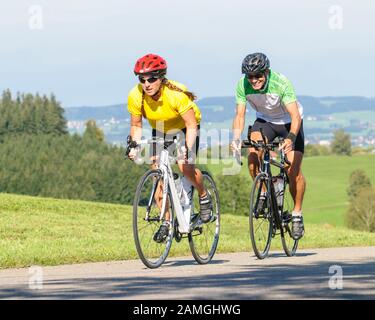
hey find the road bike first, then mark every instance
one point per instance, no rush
(165, 195)
(271, 203)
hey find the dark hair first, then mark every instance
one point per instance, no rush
(171, 86)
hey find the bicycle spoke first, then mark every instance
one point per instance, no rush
(260, 225)
(203, 245)
(152, 253)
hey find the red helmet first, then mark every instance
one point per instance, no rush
(151, 64)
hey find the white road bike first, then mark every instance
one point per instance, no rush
(177, 197)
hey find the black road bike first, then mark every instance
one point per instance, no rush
(271, 203)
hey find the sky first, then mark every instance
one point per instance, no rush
(84, 51)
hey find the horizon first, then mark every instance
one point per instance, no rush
(220, 97)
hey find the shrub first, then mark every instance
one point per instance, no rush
(361, 213)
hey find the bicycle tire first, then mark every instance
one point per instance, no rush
(151, 253)
(289, 244)
(261, 242)
(202, 248)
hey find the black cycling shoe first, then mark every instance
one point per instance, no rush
(205, 204)
(162, 234)
(298, 229)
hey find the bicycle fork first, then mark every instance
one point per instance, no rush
(151, 199)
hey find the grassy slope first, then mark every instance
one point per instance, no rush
(327, 180)
(41, 231)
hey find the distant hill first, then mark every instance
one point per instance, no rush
(117, 111)
(218, 109)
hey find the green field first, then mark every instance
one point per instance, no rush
(327, 180)
(42, 231)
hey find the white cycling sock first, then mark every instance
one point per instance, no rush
(297, 213)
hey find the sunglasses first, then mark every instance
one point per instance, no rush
(255, 76)
(149, 80)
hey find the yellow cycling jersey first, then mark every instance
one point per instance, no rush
(165, 113)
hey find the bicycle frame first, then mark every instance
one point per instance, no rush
(266, 170)
(169, 186)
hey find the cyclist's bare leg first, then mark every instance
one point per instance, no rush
(159, 194)
(194, 175)
(254, 157)
(297, 182)
(253, 162)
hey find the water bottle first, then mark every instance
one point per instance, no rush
(278, 183)
(178, 183)
(186, 198)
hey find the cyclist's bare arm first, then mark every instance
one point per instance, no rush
(191, 128)
(136, 127)
(239, 122)
(292, 108)
(295, 125)
(135, 132)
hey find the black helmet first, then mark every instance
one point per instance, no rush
(255, 63)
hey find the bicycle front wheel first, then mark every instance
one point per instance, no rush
(204, 238)
(260, 217)
(146, 220)
(289, 244)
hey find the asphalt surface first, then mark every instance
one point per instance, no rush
(312, 274)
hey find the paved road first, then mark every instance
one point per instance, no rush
(229, 276)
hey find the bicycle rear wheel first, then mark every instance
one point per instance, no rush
(204, 238)
(289, 244)
(260, 218)
(146, 221)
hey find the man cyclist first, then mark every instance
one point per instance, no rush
(279, 114)
(170, 110)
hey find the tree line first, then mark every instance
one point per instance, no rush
(38, 157)
(29, 114)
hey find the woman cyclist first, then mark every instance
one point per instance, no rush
(170, 110)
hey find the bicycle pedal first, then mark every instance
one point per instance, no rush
(199, 229)
(287, 217)
(177, 236)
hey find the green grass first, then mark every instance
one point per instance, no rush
(42, 231)
(327, 180)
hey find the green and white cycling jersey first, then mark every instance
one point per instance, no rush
(270, 102)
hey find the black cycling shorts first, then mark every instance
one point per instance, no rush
(272, 131)
(182, 134)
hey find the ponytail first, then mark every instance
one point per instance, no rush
(171, 86)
